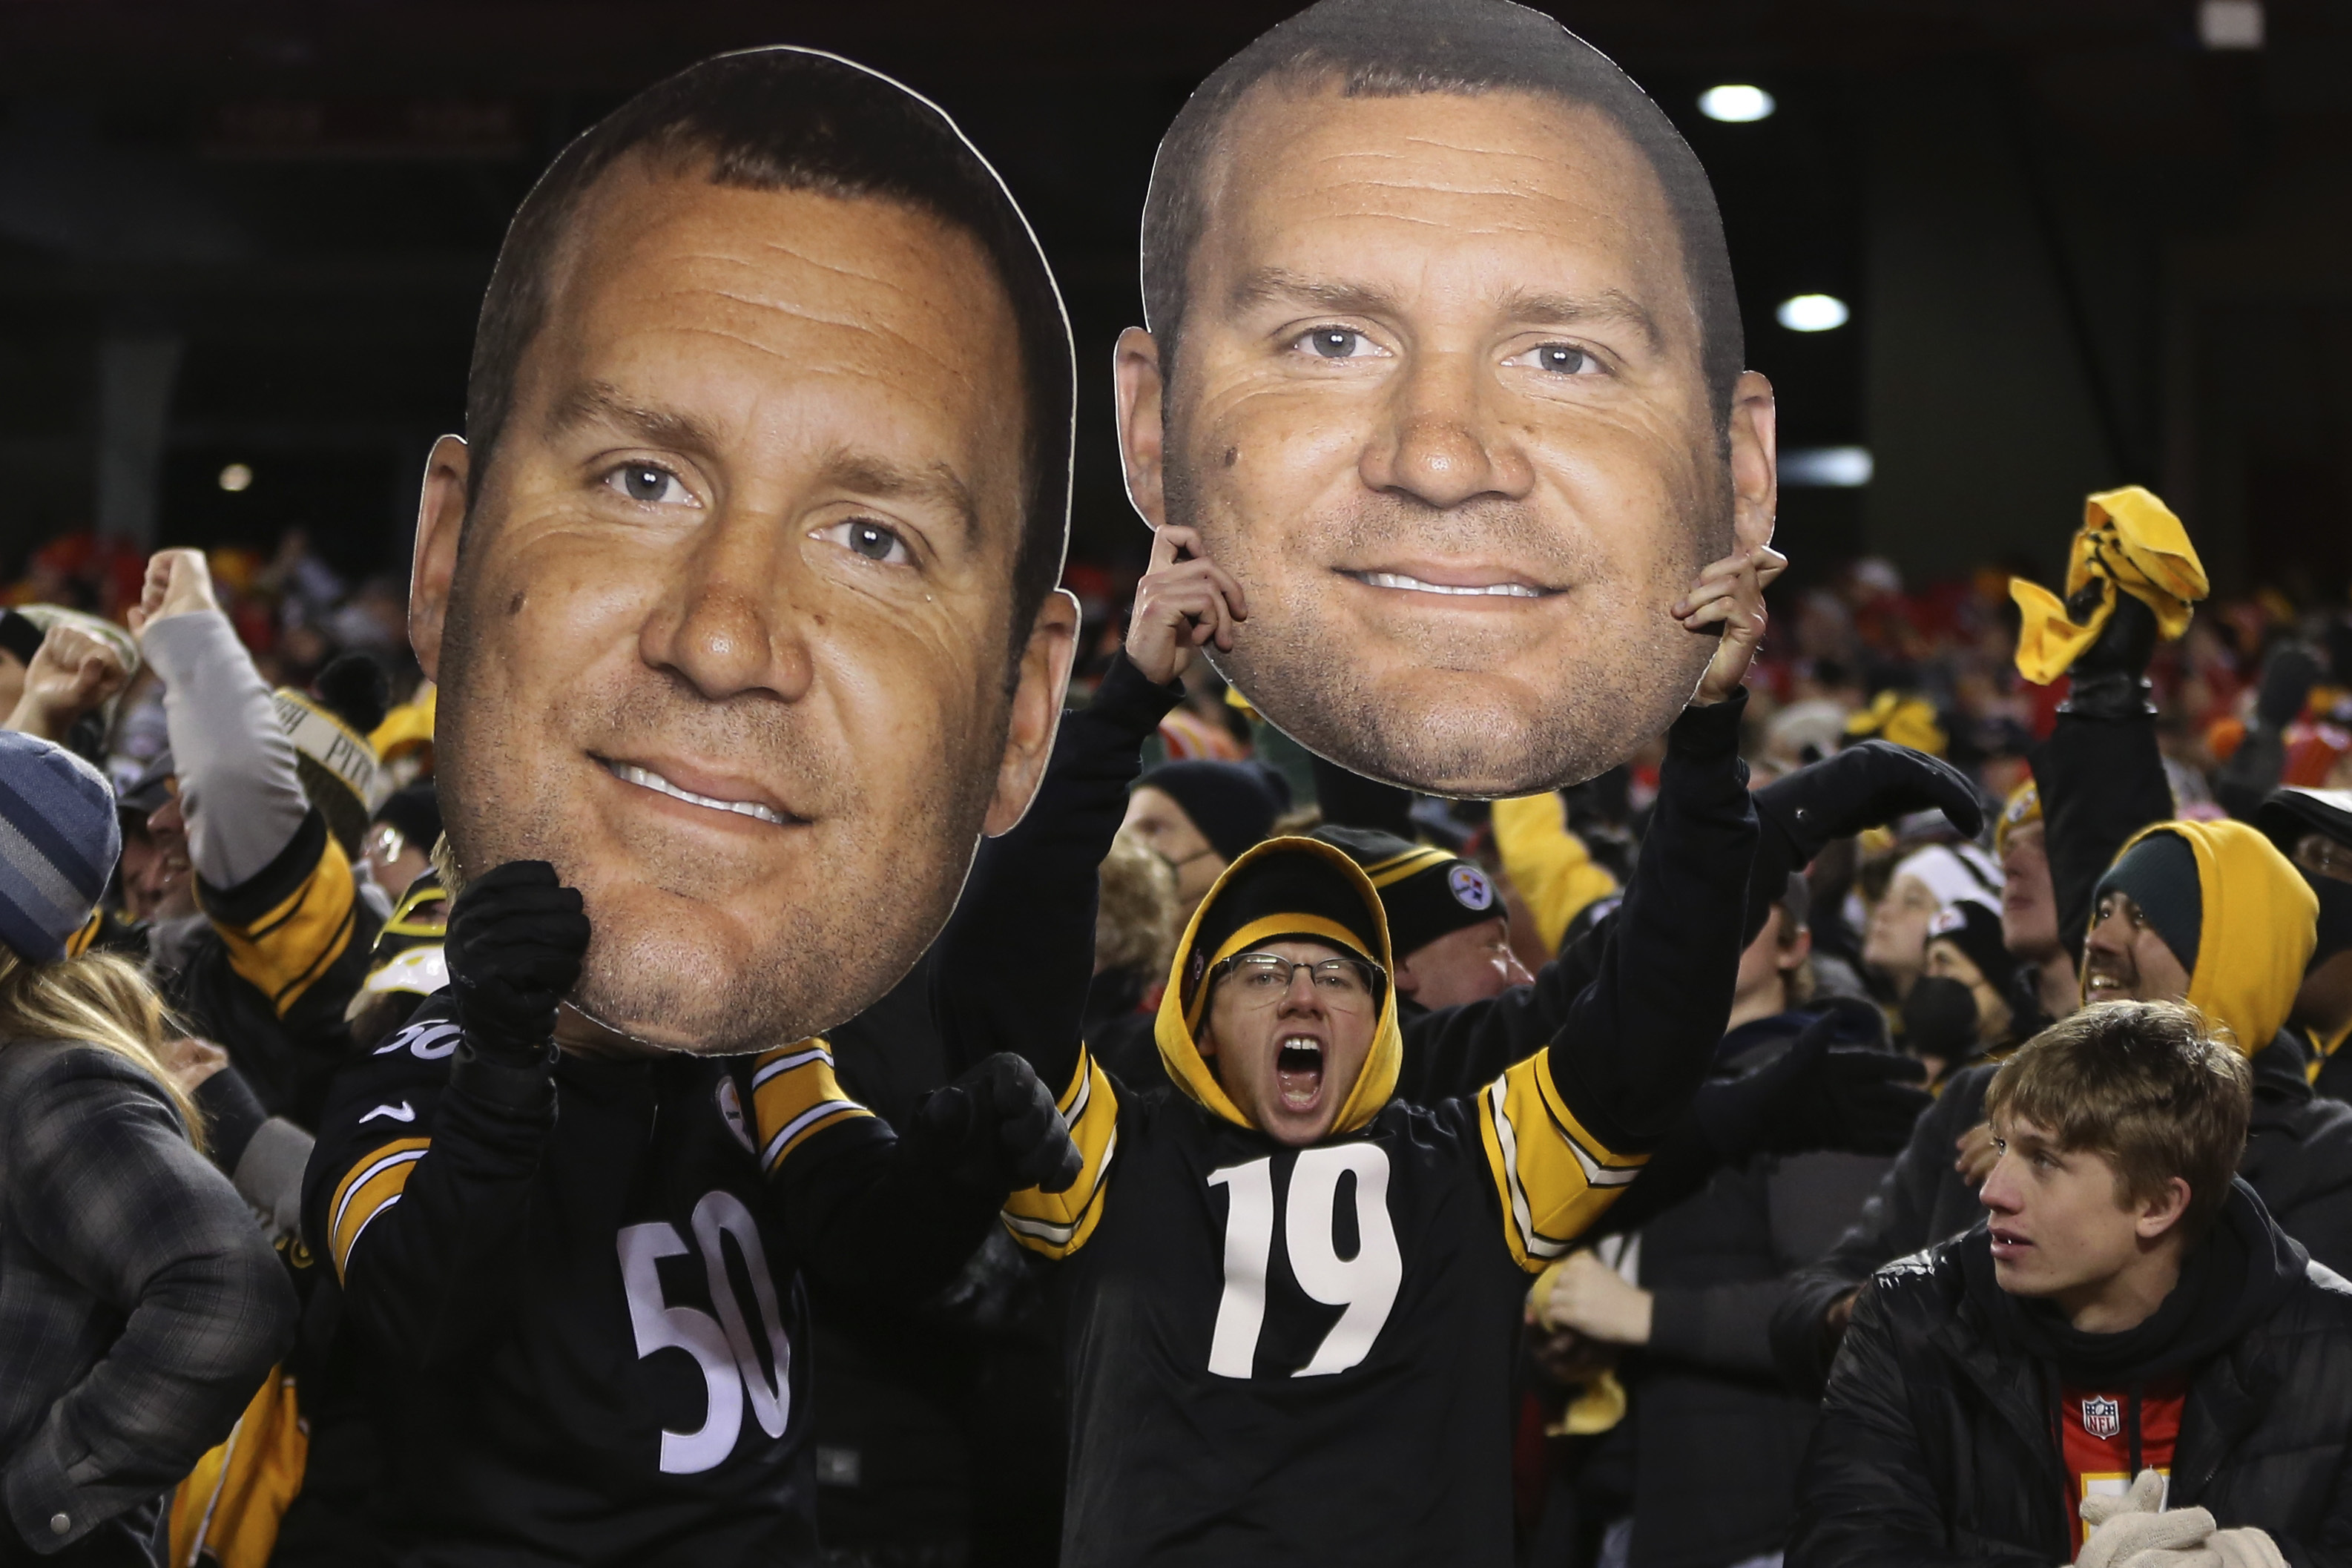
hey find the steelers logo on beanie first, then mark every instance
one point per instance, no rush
(1426, 892)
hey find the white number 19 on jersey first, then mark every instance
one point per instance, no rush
(1366, 1284)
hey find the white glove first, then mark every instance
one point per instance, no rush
(2174, 1538)
(2245, 1548)
(2145, 1496)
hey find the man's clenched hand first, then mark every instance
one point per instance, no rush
(995, 1129)
(1729, 593)
(1864, 785)
(1181, 606)
(514, 945)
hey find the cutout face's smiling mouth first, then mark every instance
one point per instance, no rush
(1499, 590)
(645, 778)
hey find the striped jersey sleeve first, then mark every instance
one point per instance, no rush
(1553, 1178)
(370, 1142)
(795, 1094)
(1057, 1224)
(370, 1186)
(298, 927)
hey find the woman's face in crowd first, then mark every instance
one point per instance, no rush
(1896, 943)
(1945, 960)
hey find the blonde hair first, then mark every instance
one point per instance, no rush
(1135, 922)
(99, 999)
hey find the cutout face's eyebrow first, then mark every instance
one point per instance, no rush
(1270, 284)
(1611, 307)
(1533, 308)
(601, 403)
(935, 484)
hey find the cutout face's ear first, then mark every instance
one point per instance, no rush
(440, 523)
(1142, 421)
(1754, 461)
(1036, 709)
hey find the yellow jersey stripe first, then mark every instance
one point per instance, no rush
(283, 954)
(1058, 1224)
(1554, 1179)
(367, 1189)
(793, 1093)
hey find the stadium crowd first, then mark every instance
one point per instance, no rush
(1898, 1116)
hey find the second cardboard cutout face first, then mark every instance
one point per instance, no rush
(1437, 399)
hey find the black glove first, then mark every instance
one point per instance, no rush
(1818, 1094)
(514, 946)
(2109, 679)
(995, 1129)
(1864, 785)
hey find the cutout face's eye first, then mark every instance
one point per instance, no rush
(1560, 359)
(875, 541)
(1337, 342)
(648, 484)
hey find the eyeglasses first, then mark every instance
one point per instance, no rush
(1264, 978)
(384, 842)
(2324, 856)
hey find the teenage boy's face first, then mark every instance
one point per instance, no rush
(1288, 1057)
(2124, 959)
(728, 638)
(1438, 402)
(2059, 1223)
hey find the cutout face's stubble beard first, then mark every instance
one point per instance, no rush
(710, 944)
(1480, 704)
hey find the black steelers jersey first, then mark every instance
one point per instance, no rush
(1302, 1355)
(581, 1326)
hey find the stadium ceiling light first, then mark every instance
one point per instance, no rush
(1825, 467)
(1736, 103)
(236, 476)
(1812, 312)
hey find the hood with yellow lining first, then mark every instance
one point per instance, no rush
(2257, 931)
(1335, 883)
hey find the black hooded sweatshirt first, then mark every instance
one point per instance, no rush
(1938, 1441)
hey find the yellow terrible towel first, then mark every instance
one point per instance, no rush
(2129, 539)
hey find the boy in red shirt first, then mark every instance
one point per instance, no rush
(2128, 1309)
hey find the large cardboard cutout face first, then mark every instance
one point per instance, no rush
(728, 638)
(1438, 401)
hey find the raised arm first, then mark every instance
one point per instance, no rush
(238, 783)
(421, 1184)
(1011, 972)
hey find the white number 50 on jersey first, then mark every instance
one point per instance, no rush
(722, 1348)
(1366, 1284)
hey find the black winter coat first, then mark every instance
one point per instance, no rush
(1706, 1401)
(2298, 1159)
(1934, 1446)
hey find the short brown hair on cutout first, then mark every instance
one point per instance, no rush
(2147, 1085)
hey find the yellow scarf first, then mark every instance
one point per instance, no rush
(2129, 539)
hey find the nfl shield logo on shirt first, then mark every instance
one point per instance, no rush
(2102, 1417)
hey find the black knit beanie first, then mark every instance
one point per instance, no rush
(1232, 803)
(2159, 874)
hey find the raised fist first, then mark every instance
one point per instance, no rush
(996, 1128)
(178, 583)
(514, 945)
